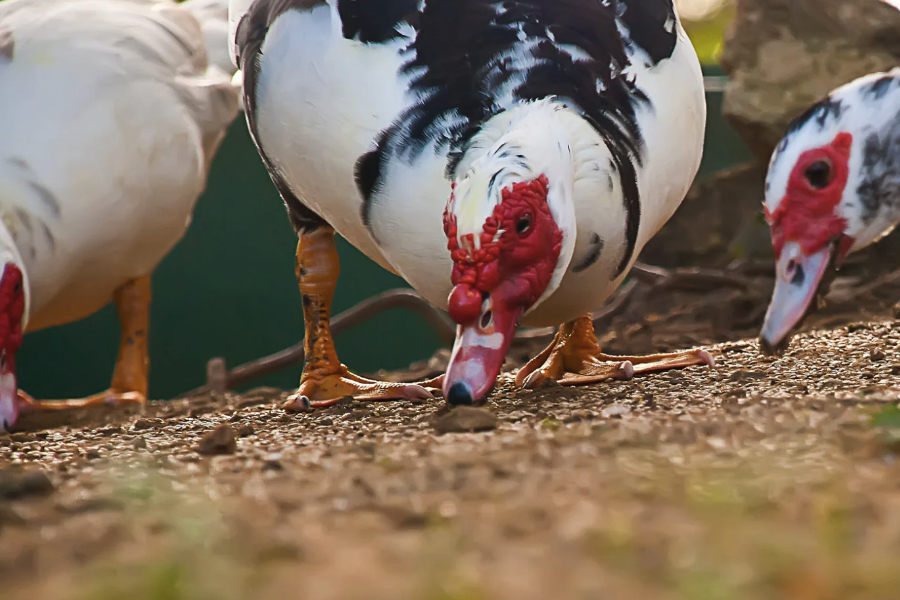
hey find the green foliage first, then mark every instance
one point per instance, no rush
(708, 33)
(888, 417)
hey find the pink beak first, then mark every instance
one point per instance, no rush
(800, 279)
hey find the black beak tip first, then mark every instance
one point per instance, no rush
(769, 349)
(460, 394)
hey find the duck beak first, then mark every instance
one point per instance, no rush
(802, 281)
(478, 354)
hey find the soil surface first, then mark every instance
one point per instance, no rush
(760, 478)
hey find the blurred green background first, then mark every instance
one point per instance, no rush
(228, 288)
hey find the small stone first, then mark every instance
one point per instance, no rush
(615, 410)
(876, 355)
(139, 444)
(147, 424)
(244, 430)
(18, 483)
(201, 410)
(745, 375)
(272, 462)
(221, 440)
(404, 517)
(465, 419)
(92, 454)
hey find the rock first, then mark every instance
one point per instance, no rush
(20, 483)
(615, 410)
(139, 444)
(783, 55)
(244, 429)
(272, 462)
(465, 419)
(147, 424)
(221, 440)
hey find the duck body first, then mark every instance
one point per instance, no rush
(111, 114)
(508, 159)
(102, 157)
(371, 118)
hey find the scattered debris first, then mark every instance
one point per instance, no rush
(147, 424)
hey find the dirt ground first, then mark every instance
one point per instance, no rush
(761, 478)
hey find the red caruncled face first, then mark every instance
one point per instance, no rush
(494, 284)
(807, 213)
(12, 307)
(520, 261)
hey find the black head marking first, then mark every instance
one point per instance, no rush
(829, 109)
(877, 89)
(821, 112)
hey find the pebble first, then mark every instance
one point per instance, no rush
(465, 419)
(221, 440)
(19, 483)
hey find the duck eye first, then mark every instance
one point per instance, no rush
(818, 174)
(523, 225)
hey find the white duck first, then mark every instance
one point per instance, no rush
(110, 116)
(833, 188)
(542, 141)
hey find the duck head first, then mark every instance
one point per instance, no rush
(510, 228)
(833, 187)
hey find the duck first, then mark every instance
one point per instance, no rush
(832, 188)
(509, 160)
(111, 114)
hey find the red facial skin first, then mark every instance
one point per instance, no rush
(512, 270)
(12, 309)
(806, 214)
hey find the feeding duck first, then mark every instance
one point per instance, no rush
(508, 159)
(110, 116)
(832, 188)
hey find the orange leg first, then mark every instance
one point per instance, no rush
(574, 358)
(129, 382)
(325, 380)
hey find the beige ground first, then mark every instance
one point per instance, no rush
(758, 479)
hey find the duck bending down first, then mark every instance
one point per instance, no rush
(508, 159)
(110, 116)
(832, 188)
